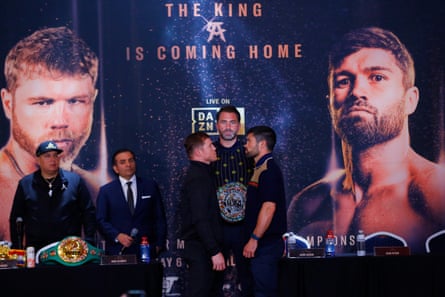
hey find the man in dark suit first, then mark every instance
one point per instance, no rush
(130, 207)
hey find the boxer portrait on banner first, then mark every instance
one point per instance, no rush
(49, 95)
(385, 185)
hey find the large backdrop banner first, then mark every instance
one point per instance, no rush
(166, 67)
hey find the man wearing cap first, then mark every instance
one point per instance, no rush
(51, 203)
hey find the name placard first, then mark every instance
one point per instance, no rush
(5, 264)
(118, 260)
(307, 253)
(391, 251)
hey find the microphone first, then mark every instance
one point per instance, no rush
(133, 234)
(19, 228)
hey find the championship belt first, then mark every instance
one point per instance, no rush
(71, 251)
(232, 201)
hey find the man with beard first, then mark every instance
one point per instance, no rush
(386, 185)
(232, 170)
(200, 222)
(49, 95)
(265, 212)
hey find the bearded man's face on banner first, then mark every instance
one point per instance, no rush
(44, 107)
(368, 98)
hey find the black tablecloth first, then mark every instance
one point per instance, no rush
(87, 280)
(369, 276)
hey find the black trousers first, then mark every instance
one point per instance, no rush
(234, 242)
(201, 279)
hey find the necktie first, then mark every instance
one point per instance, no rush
(130, 199)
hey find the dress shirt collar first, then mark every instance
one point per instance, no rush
(124, 181)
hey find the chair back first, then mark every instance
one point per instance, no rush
(383, 239)
(435, 243)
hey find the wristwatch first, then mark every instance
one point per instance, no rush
(253, 236)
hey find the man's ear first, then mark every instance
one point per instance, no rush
(7, 103)
(199, 150)
(262, 144)
(114, 169)
(412, 99)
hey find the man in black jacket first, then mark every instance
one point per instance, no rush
(201, 227)
(51, 203)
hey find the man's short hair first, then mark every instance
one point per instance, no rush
(264, 133)
(194, 141)
(119, 151)
(372, 37)
(230, 109)
(51, 51)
